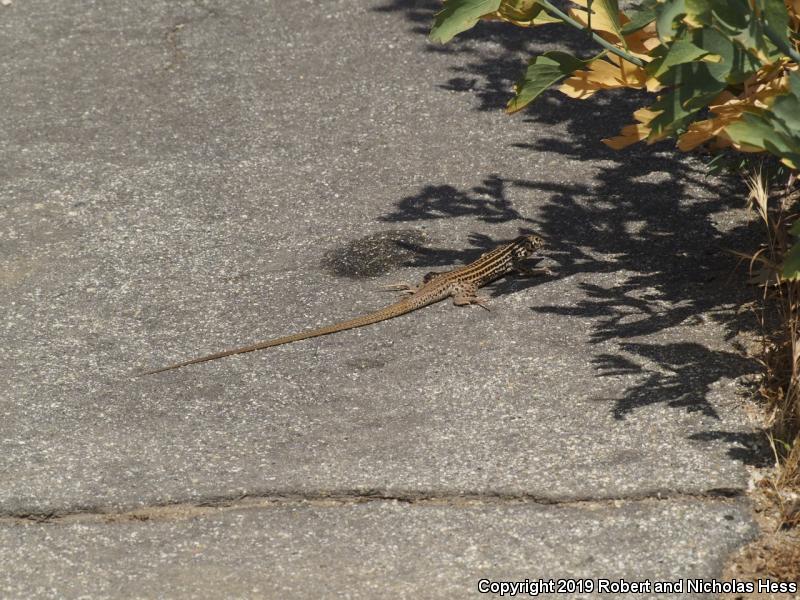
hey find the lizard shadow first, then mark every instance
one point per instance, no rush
(644, 240)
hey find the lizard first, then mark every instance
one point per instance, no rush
(461, 284)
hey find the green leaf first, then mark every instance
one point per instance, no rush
(751, 130)
(666, 14)
(752, 38)
(699, 11)
(776, 15)
(791, 158)
(691, 80)
(674, 115)
(739, 22)
(458, 16)
(543, 71)
(544, 18)
(764, 130)
(791, 262)
(716, 43)
(681, 51)
(786, 107)
(731, 16)
(692, 87)
(644, 15)
(611, 9)
(736, 64)
(794, 83)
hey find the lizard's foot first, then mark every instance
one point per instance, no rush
(399, 287)
(465, 299)
(527, 272)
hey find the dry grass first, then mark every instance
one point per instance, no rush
(780, 357)
(776, 553)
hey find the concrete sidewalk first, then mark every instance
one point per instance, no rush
(184, 177)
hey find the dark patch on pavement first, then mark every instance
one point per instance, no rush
(373, 255)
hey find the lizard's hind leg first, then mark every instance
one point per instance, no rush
(411, 289)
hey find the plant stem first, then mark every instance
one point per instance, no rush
(545, 4)
(781, 44)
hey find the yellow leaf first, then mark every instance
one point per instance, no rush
(794, 12)
(641, 42)
(645, 115)
(601, 20)
(518, 9)
(637, 44)
(692, 21)
(579, 86)
(632, 75)
(653, 85)
(728, 108)
(629, 135)
(698, 133)
(723, 97)
(603, 74)
(523, 13)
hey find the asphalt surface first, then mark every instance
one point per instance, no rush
(180, 178)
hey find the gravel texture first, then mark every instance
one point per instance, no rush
(183, 177)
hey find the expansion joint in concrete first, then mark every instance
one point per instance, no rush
(332, 499)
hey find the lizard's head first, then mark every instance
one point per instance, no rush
(525, 245)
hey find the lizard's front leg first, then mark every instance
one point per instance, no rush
(465, 294)
(524, 271)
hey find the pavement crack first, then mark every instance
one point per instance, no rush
(331, 499)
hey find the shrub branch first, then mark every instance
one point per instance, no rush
(553, 11)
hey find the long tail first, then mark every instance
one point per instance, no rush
(389, 312)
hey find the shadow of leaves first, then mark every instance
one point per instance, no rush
(487, 202)
(682, 374)
(498, 52)
(644, 239)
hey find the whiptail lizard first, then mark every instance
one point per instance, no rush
(461, 283)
